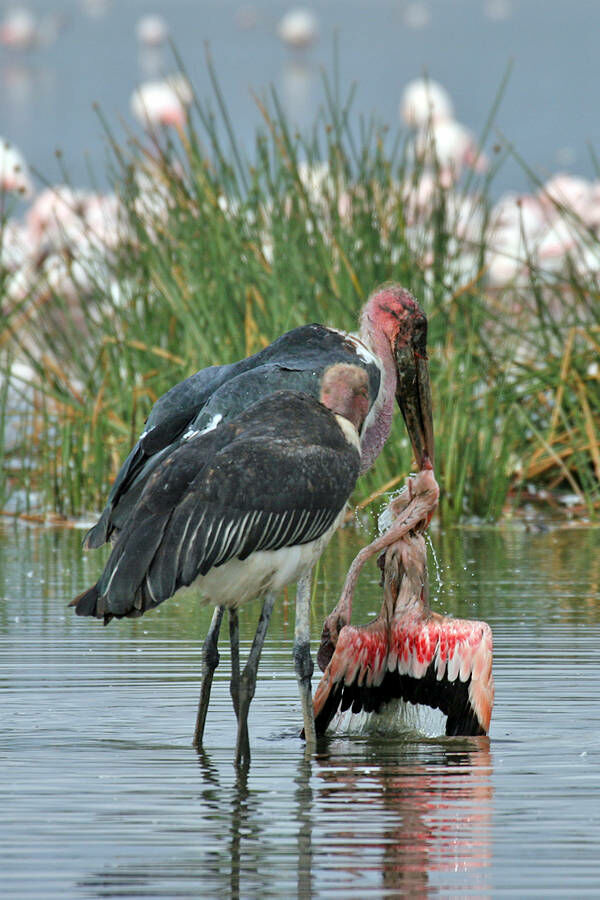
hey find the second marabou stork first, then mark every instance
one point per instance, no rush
(242, 474)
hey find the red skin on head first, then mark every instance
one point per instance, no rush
(390, 310)
(391, 323)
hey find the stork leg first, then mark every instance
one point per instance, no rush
(234, 643)
(248, 683)
(210, 661)
(302, 660)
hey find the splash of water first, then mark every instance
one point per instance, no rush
(437, 566)
(397, 718)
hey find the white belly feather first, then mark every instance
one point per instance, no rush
(237, 581)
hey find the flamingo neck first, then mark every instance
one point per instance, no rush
(411, 604)
(379, 421)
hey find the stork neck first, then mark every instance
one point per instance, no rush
(379, 342)
(378, 426)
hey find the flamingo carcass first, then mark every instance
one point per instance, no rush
(409, 652)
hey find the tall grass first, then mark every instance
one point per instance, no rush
(227, 250)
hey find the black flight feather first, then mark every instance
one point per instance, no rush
(276, 475)
(295, 361)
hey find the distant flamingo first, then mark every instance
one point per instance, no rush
(55, 214)
(18, 30)
(424, 101)
(298, 28)
(409, 652)
(22, 30)
(14, 174)
(564, 192)
(451, 146)
(152, 31)
(162, 102)
(416, 15)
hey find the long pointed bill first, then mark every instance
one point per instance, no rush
(413, 394)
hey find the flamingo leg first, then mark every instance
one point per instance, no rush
(210, 661)
(302, 659)
(247, 683)
(234, 643)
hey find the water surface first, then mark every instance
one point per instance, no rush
(102, 794)
(548, 111)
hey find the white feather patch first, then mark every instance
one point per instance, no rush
(192, 432)
(238, 581)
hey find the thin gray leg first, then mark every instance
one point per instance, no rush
(210, 661)
(248, 683)
(302, 661)
(234, 643)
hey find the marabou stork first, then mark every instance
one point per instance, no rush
(230, 488)
(408, 652)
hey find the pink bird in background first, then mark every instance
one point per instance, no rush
(440, 141)
(21, 29)
(14, 174)
(165, 102)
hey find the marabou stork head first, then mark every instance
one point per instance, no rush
(394, 312)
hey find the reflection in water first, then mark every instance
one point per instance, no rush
(17, 83)
(23, 83)
(239, 821)
(304, 803)
(96, 9)
(103, 796)
(418, 820)
(436, 814)
(245, 826)
(397, 821)
(152, 61)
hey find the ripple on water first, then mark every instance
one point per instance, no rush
(103, 796)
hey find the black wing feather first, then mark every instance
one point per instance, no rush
(294, 361)
(168, 420)
(277, 475)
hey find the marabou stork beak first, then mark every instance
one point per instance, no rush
(413, 391)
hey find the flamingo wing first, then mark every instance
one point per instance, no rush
(439, 661)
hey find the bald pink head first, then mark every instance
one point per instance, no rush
(395, 326)
(393, 311)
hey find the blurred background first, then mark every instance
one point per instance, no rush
(70, 54)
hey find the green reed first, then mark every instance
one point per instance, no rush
(238, 249)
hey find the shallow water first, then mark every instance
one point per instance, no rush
(46, 95)
(102, 794)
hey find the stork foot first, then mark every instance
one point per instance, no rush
(245, 695)
(304, 669)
